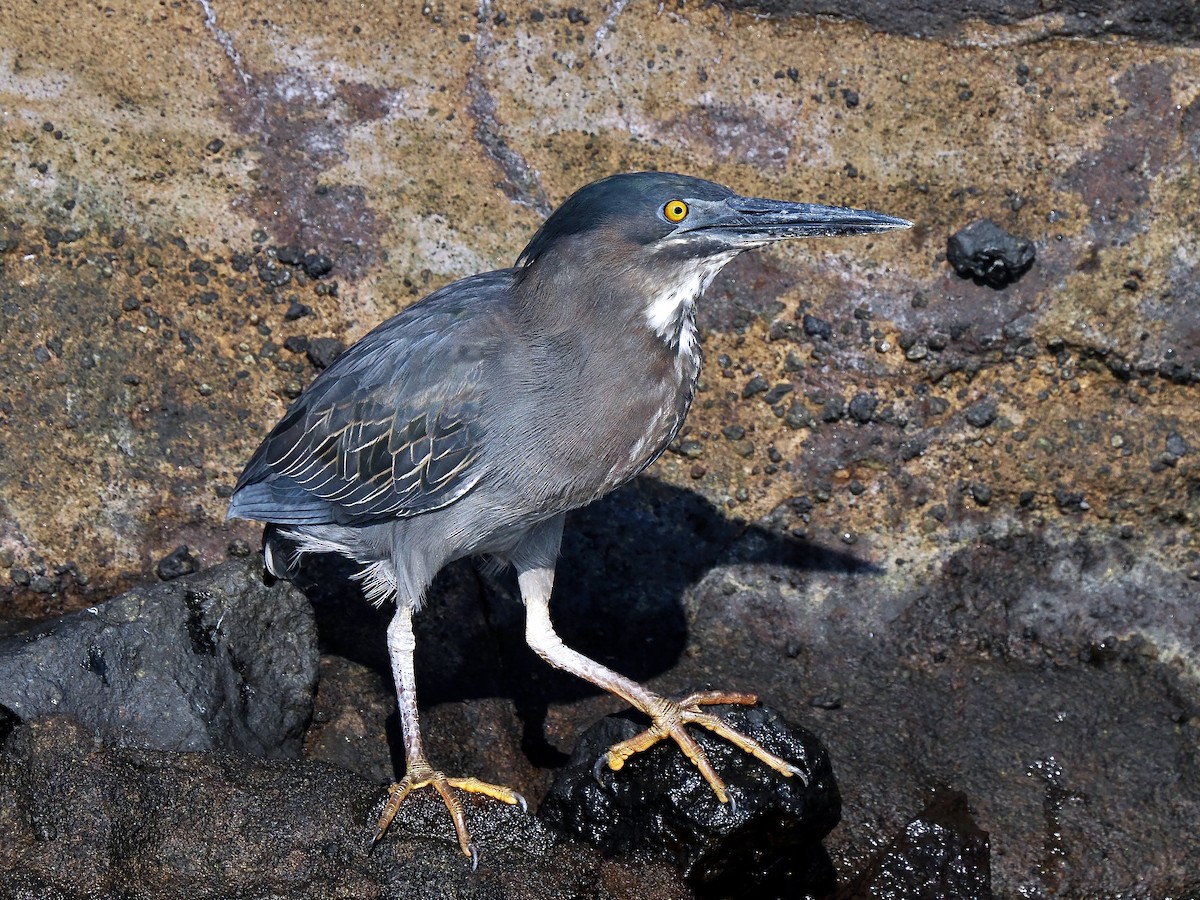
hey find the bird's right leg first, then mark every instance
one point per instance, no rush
(418, 772)
(667, 717)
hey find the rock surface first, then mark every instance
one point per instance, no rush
(80, 821)
(214, 661)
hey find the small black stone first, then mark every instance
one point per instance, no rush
(323, 351)
(756, 385)
(862, 407)
(775, 394)
(814, 327)
(216, 145)
(988, 254)
(297, 310)
(177, 563)
(289, 255)
(317, 265)
(982, 413)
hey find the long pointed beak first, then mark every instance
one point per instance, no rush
(751, 221)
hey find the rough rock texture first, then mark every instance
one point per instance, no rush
(940, 855)
(80, 821)
(214, 661)
(979, 506)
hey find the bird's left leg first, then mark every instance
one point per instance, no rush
(418, 772)
(667, 717)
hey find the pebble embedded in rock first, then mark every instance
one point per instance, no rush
(981, 413)
(863, 406)
(317, 265)
(819, 328)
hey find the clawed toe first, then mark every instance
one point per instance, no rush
(668, 719)
(421, 775)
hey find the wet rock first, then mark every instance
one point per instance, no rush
(81, 820)
(940, 855)
(658, 806)
(212, 661)
(988, 254)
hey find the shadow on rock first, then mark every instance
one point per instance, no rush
(626, 562)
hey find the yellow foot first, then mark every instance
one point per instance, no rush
(668, 721)
(421, 775)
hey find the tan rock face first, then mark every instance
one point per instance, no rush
(158, 157)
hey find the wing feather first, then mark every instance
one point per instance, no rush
(394, 427)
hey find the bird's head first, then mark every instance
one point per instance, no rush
(668, 235)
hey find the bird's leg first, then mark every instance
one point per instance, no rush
(667, 717)
(418, 772)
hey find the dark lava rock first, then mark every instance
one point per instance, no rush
(990, 255)
(862, 407)
(940, 855)
(658, 806)
(177, 563)
(981, 413)
(317, 265)
(85, 821)
(297, 310)
(818, 328)
(213, 661)
(323, 351)
(289, 255)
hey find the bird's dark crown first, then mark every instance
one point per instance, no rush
(635, 200)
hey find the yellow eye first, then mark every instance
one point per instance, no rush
(675, 210)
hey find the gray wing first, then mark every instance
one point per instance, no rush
(392, 428)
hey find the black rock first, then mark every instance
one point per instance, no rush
(297, 310)
(317, 265)
(177, 563)
(756, 385)
(940, 854)
(289, 255)
(988, 254)
(814, 327)
(863, 406)
(658, 806)
(213, 661)
(86, 821)
(982, 413)
(323, 351)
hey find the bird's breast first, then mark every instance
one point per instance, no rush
(602, 418)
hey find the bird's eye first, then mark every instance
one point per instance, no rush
(675, 210)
